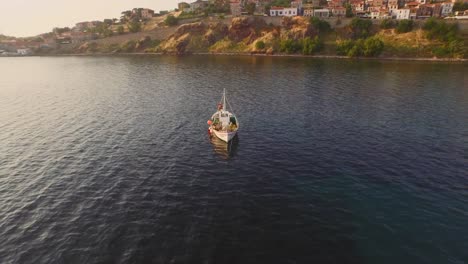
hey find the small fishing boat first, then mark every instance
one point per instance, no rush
(223, 123)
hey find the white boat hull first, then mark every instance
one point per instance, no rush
(224, 135)
(223, 123)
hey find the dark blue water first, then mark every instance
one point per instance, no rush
(107, 160)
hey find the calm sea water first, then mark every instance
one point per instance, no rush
(108, 160)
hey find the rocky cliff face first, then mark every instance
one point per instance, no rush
(240, 35)
(296, 28)
(193, 37)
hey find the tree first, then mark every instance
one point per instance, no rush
(310, 46)
(126, 13)
(360, 28)
(386, 24)
(120, 29)
(372, 47)
(344, 46)
(134, 26)
(404, 26)
(356, 49)
(59, 30)
(259, 45)
(460, 6)
(440, 30)
(108, 21)
(290, 46)
(369, 47)
(322, 26)
(349, 11)
(171, 20)
(250, 8)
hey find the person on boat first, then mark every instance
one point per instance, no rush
(232, 126)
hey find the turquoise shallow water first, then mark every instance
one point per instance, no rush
(107, 160)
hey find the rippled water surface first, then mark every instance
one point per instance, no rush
(107, 160)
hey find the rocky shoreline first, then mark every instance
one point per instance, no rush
(240, 54)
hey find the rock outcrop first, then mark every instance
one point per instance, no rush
(296, 28)
(241, 35)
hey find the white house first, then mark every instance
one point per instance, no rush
(339, 11)
(375, 14)
(392, 5)
(321, 13)
(24, 52)
(403, 13)
(447, 8)
(309, 12)
(283, 11)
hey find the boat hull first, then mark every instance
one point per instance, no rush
(224, 135)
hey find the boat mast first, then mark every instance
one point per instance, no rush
(224, 99)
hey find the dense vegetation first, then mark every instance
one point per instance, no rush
(307, 36)
(460, 6)
(250, 8)
(349, 10)
(260, 45)
(369, 47)
(440, 30)
(387, 24)
(218, 6)
(306, 46)
(404, 26)
(171, 20)
(102, 29)
(322, 26)
(452, 44)
(361, 28)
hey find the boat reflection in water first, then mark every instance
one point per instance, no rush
(225, 150)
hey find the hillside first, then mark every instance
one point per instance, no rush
(286, 35)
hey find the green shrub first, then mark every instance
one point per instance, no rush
(372, 47)
(134, 26)
(454, 48)
(460, 6)
(171, 20)
(120, 29)
(260, 45)
(311, 46)
(404, 26)
(441, 51)
(440, 30)
(322, 26)
(250, 8)
(386, 24)
(349, 10)
(290, 46)
(128, 46)
(356, 50)
(361, 28)
(344, 46)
